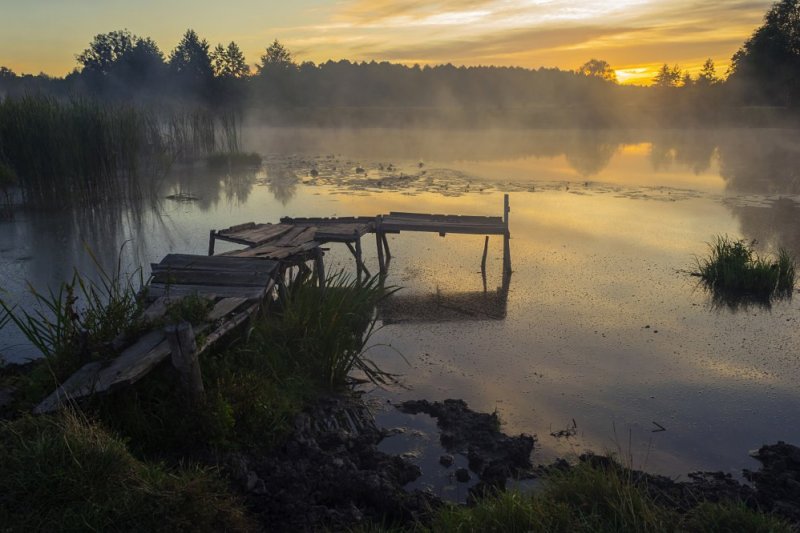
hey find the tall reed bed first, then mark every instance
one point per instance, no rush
(82, 152)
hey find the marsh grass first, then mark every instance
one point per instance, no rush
(328, 331)
(64, 473)
(599, 497)
(76, 322)
(734, 272)
(80, 152)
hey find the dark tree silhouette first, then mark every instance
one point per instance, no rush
(667, 76)
(598, 68)
(708, 74)
(276, 58)
(229, 62)
(767, 67)
(190, 63)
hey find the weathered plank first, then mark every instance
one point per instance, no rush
(228, 325)
(157, 290)
(392, 225)
(211, 277)
(443, 218)
(217, 262)
(224, 307)
(130, 366)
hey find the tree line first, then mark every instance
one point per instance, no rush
(121, 65)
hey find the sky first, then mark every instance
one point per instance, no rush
(634, 36)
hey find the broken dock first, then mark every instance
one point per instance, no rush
(238, 284)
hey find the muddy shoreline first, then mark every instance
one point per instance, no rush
(330, 473)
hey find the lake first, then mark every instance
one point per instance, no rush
(599, 339)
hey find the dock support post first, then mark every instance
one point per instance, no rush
(485, 252)
(359, 262)
(184, 358)
(506, 237)
(212, 237)
(386, 246)
(319, 266)
(381, 262)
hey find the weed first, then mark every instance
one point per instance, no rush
(734, 272)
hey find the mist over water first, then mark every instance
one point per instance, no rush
(600, 323)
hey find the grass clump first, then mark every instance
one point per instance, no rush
(596, 498)
(63, 473)
(734, 271)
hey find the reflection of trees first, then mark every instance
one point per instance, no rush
(282, 182)
(204, 186)
(589, 153)
(687, 149)
(761, 162)
(774, 226)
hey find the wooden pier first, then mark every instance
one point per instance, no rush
(239, 283)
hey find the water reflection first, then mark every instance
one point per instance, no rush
(282, 181)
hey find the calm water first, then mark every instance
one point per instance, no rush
(599, 329)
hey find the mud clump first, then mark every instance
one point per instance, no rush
(493, 455)
(330, 475)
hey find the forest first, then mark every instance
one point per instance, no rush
(762, 83)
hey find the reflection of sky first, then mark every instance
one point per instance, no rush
(594, 266)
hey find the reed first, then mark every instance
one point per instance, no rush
(83, 152)
(734, 270)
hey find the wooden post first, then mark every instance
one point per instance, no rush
(359, 263)
(184, 359)
(483, 259)
(381, 262)
(506, 237)
(386, 246)
(212, 237)
(319, 266)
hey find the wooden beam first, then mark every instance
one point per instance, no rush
(211, 241)
(483, 259)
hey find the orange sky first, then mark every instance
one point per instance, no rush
(634, 36)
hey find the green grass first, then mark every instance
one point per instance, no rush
(595, 498)
(62, 473)
(734, 270)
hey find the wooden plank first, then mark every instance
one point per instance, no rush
(389, 225)
(73, 388)
(216, 262)
(228, 325)
(455, 218)
(327, 220)
(224, 307)
(133, 363)
(211, 277)
(157, 290)
(264, 233)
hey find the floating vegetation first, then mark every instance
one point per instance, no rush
(735, 274)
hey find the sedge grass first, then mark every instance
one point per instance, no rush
(734, 271)
(599, 497)
(63, 473)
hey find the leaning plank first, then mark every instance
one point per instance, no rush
(74, 387)
(93, 377)
(224, 307)
(227, 326)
